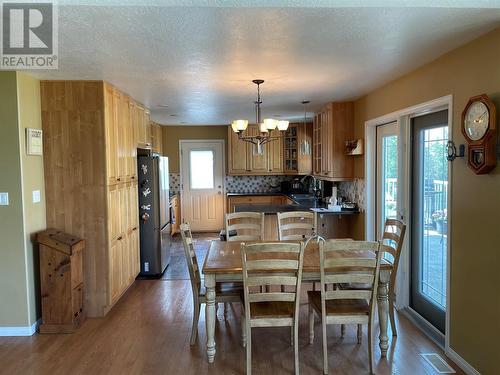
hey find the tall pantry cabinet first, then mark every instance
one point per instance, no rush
(91, 134)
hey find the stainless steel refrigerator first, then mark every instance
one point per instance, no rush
(154, 214)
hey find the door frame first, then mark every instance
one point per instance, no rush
(403, 119)
(181, 182)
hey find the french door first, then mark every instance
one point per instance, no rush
(202, 177)
(429, 219)
(387, 175)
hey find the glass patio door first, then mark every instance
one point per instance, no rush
(429, 219)
(387, 175)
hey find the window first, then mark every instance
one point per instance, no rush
(201, 163)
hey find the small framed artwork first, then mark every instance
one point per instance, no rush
(34, 142)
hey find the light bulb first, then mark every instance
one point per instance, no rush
(262, 128)
(240, 125)
(233, 125)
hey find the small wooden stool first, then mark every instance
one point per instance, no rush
(61, 281)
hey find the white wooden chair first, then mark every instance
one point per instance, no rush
(391, 245)
(249, 226)
(338, 265)
(296, 225)
(225, 292)
(271, 264)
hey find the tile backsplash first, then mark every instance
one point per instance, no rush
(353, 190)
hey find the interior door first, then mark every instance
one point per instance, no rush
(202, 176)
(387, 175)
(429, 219)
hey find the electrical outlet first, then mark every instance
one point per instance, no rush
(36, 196)
(4, 199)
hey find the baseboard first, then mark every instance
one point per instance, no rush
(460, 362)
(425, 327)
(20, 331)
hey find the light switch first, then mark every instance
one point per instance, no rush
(36, 196)
(4, 199)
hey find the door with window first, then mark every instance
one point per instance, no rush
(429, 217)
(202, 177)
(387, 175)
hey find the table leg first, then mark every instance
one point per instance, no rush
(210, 316)
(383, 310)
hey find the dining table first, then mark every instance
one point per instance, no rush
(223, 263)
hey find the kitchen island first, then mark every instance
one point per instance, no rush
(330, 224)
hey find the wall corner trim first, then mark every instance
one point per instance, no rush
(20, 331)
(462, 363)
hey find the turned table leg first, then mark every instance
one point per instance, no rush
(383, 309)
(210, 316)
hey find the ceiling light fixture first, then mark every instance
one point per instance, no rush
(265, 127)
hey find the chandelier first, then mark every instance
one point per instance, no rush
(265, 127)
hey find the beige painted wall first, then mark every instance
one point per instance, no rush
(13, 281)
(28, 93)
(475, 243)
(172, 134)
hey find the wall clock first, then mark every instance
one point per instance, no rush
(479, 130)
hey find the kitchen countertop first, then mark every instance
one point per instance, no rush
(300, 205)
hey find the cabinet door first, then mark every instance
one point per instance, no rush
(237, 154)
(120, 132)
(133, 202)
(134, 255)
(115, 269)
(328, 145)
(125, 262)
(126, 138)
(147, 126)
(111, 136)
(343, 130)
(304, 140)
(123, 192)
(317, 151)
(259, 163)
(276, 153)
(114, 218)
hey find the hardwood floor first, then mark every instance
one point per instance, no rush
(148, 332)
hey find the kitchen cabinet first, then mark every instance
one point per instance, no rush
(297, 148)
(156, 138)
(332, 126)
(233, 200)
(243, 158)
(91, 177)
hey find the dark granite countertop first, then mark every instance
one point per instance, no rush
(299, 205)
(256, 194)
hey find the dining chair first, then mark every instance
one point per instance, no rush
(340, 262)
(225, 292)
(249, 226)
(391, 245)
(271, 264)
(296, 225)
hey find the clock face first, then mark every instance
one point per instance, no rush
(477, 120)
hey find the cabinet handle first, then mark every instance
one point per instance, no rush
(120, 238)
(133, 177)
(134, 228)
(118, 179)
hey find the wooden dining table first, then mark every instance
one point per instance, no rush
(223, 264)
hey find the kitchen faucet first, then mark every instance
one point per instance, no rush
(314, 179)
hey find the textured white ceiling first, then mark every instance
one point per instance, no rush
(200, 60)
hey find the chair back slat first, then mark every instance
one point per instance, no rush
(272, 280)
(348, 294)
(272, 264)
(349, 262)
(271, 297)
(296, 225)
(346, 255)
(191, 260)
(249, 226)
(357, 277)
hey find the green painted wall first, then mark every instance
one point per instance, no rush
(13, 281)
(475, 241)
(20, 175)
(28, 93)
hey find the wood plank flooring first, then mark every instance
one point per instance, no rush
(148, 332)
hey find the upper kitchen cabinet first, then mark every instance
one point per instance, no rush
(142, 118)
(156, 138)
(297, 149)
(243, 158)
(332, 126)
